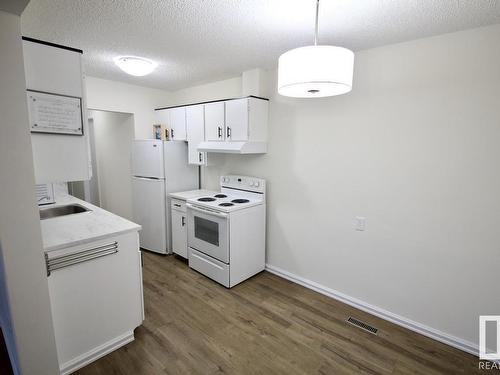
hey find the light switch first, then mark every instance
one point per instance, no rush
(360, 223)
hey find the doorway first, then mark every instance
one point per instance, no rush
(111, 135)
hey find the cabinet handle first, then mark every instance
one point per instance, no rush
(200, 157)
(172, 133)
(228, 132)
(183, 221)
(177, 205)
(219, 131)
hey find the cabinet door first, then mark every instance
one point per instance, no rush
(214, 121)
(178, 124)
(195, 126)
(162, 117)
(179, 233)
(196, 157)
(237, 120)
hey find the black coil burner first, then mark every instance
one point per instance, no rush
(226, 204)
(240, 201)
(206, 199)
(220, 196)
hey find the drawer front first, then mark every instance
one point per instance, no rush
(178, 205)
(209, 267)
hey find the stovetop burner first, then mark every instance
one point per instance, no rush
(220, 196)
(226, 204)
(206, 199)
(240, 201)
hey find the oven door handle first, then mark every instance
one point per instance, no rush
(209, 212)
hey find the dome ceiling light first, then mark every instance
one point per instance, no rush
(315, 71)
(135, 66)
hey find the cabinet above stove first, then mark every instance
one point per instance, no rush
(237, 125)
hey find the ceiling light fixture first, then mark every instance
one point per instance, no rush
(315, 71)
(135, 66)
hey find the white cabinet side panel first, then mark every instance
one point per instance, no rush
(258, 115)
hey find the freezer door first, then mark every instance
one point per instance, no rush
(150, 212)
(147, 158)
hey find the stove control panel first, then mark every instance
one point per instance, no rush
(253, 184)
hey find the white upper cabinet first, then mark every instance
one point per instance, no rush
(55, 79)
(237, 126)
(195, 126)
(175, 121)
(236, 120)
(214, 121)
(178, 123)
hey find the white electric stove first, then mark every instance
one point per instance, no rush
(226, 230)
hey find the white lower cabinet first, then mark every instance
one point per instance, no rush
(179, 228)
(96, 298)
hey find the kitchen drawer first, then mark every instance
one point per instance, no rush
(209, 267)
(178, 205)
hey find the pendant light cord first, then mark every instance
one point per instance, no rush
(316, 27)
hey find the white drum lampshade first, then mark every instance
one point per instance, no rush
(315, 71)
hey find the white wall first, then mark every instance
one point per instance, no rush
(414, 149)
(25, 314)
(113, 135)
(228, 88)
(121, 97)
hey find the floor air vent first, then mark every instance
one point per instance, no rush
(363, 326)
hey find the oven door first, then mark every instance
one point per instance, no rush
(208, 232)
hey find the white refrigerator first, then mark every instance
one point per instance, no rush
(158, 168)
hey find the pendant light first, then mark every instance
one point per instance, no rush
(315, 71)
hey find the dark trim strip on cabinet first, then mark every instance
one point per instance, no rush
(211, 101)
(28, 39)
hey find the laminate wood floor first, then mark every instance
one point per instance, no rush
(266, 325)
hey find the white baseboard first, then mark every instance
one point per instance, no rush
(435, 334)
(96, 353)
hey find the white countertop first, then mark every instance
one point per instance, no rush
(185, 195)
(70, 230)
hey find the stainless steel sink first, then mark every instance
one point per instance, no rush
(70, 209)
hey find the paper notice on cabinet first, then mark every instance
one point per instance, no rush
(55, 114)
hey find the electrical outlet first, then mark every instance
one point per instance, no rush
(360, 223)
